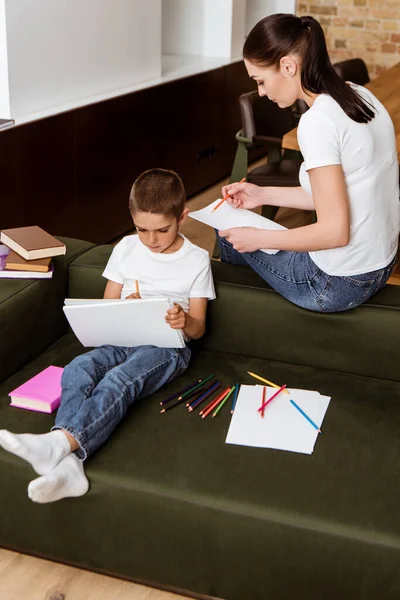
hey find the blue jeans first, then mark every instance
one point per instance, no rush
(298, 279)
(98, 388)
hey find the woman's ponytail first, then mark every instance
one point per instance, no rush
(279, 35)
(319, 77)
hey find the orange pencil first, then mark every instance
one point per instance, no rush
(203, 413)
(225, 198)
(137, 286)
(263, 402)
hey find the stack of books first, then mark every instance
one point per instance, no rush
(26, 253)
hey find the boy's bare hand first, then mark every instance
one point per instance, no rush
(176, 317)
(133, 296)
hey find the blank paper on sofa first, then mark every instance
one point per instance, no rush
(283, 427)
(122, 322)
(226, 217)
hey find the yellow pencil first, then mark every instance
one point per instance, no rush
(137, 286)
(266, 381)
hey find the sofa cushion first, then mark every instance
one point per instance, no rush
(250, 318)
(171, 503)
(30, 311)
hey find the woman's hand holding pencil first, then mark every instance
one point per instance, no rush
(243, 195)
(226, 195)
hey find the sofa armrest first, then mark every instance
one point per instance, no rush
(31, 316)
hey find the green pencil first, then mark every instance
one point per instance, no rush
(223, 402)
(199, 385)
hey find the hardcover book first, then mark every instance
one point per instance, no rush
(41, 393)
(15, 262)
(32, 242)
(14, 274)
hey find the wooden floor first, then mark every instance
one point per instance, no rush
(26, 578)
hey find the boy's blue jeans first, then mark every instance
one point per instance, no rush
(98, 388)
(298, 279)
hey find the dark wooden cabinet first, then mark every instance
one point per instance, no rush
(72, 173)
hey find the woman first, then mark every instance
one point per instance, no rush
(349, 177)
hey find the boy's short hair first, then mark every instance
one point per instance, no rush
(158, 191)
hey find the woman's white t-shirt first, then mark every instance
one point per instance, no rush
(367, 153)
(181, 275)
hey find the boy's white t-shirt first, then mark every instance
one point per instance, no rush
(367, 153)
(181, 275)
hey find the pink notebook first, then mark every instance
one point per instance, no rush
(41, 393)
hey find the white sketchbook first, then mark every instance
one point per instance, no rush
(226, 217)
(122, 322)
(283, 427)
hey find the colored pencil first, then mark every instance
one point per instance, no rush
(264, 404)
(199, 392)
(266, 381)
(219, 407)
(180, 392)
(196, 387)
(203, 396)
(225, 197)
(137, 286)
(167, 408)
(305, 416)
(205, 411)
(262, 408)
(234, 398)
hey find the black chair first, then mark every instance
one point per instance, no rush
(263, 126)
(354, 70)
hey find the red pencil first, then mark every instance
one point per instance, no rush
(203, 413)
(264, 404)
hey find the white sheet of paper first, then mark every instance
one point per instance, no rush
(226, 217)
(122, 322)
(283, 427)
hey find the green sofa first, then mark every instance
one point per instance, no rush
(172, 505)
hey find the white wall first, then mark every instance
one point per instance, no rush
(183, 27)
(5, 112)
(61, 51)
(258, 9)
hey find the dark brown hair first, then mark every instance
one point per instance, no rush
(281, 34)
(158, 191)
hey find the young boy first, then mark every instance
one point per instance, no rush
(98, 387)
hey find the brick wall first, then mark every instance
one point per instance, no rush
(369, 29)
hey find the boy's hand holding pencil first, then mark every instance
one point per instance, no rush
(136, 295)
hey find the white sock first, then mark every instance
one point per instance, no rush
(43, 451)
(67, 480)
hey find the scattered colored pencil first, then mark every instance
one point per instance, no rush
(261, 409)
(264, 404)
(196, 387)
(219, 407)
(203, 396)
(266, 381)
(234, 398)
(189, 387)
(213, 404)
(170, 406)
(137, 286)
(301, 411)
(225, 197)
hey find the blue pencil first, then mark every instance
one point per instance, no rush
(193, 384)
(305, 416)
(235, 395)
(201, 398)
